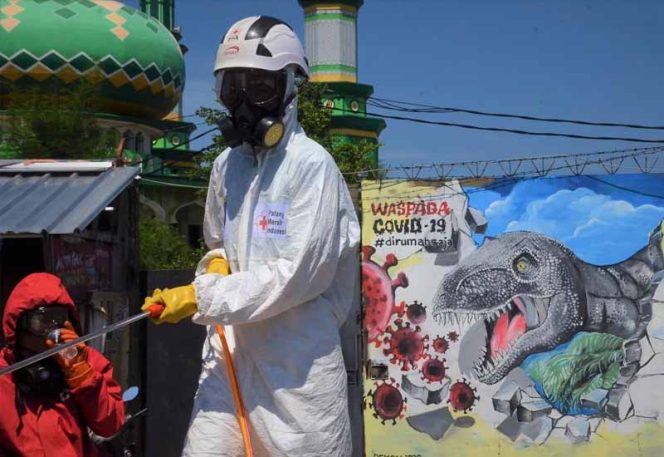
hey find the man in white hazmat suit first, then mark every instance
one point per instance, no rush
(279, 210)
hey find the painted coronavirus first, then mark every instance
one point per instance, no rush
(453, 336)
(462, 396)
(405, 345)
(378, 294)
(433, 370)
(387, 401)
(440, 344)
(416, 312)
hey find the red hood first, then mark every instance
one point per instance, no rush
(33, 291)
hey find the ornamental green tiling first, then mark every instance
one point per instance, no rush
(136, 60)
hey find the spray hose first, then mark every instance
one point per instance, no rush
(219, 265)
(239, 405)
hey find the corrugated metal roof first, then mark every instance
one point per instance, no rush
(48, 166)
(59, 200)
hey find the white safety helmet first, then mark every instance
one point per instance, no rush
(261, 42)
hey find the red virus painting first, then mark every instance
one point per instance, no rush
(406, 345)
(453, 336)
(433, 370)
(462, 396)
(440, 344)
(378, 294)
(387, 401)
(416, 313)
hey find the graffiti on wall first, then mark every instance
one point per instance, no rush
(82, 265)
(514, 317)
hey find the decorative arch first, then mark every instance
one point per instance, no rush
(156, 208)
(129, 140)
(188, 218)
(140, 142)
(173, 219)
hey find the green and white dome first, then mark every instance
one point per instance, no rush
(138, 60)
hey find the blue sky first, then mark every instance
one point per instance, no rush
(592, 60)
(601, 223)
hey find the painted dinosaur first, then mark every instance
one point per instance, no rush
(526, 293)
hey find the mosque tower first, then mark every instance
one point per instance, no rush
(331, 48)
(164, 12)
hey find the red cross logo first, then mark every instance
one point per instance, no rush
(263, 223)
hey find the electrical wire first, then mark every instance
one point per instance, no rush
(505, 130)
(627, 189)
(500, 181)
(631, 152)
(166, 163)
(390, 104)
(188, 186)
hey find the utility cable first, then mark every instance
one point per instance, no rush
(174, 148)
(390, 104)
(497, 129)
(626, 153)
(627, 189)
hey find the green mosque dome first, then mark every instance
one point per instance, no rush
(136, 60)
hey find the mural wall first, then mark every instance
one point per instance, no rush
(514, 317)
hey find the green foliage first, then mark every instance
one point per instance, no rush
(351, 157)
(54, 121)
(354, 159)
(592, 361)
(313, 116)
(163, 248)
(206, 158)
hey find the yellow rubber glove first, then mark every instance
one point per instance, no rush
(218, 265)
(180, 302)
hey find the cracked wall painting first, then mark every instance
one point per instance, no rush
(514, 317)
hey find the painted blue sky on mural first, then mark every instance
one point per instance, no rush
(602, 221)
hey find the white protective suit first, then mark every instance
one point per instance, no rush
(288, 227)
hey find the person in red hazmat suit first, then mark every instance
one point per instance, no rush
(47, 408)
(279, 211)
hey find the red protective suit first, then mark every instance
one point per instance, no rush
(45, 426)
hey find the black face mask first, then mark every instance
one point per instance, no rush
(255, 101)
(32, 330)
(251, 124)
(43, 378)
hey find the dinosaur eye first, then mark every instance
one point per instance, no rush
(525, 265)
(521, 265)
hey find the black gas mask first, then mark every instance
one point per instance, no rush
(255, 100)
(32, 330)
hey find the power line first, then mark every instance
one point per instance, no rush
(497, 129)
(390, 104)
(170, 184)
(611, 160)
(627, 189)
(174, 148)
(168, 163)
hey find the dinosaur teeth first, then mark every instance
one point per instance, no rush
(460, 318)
